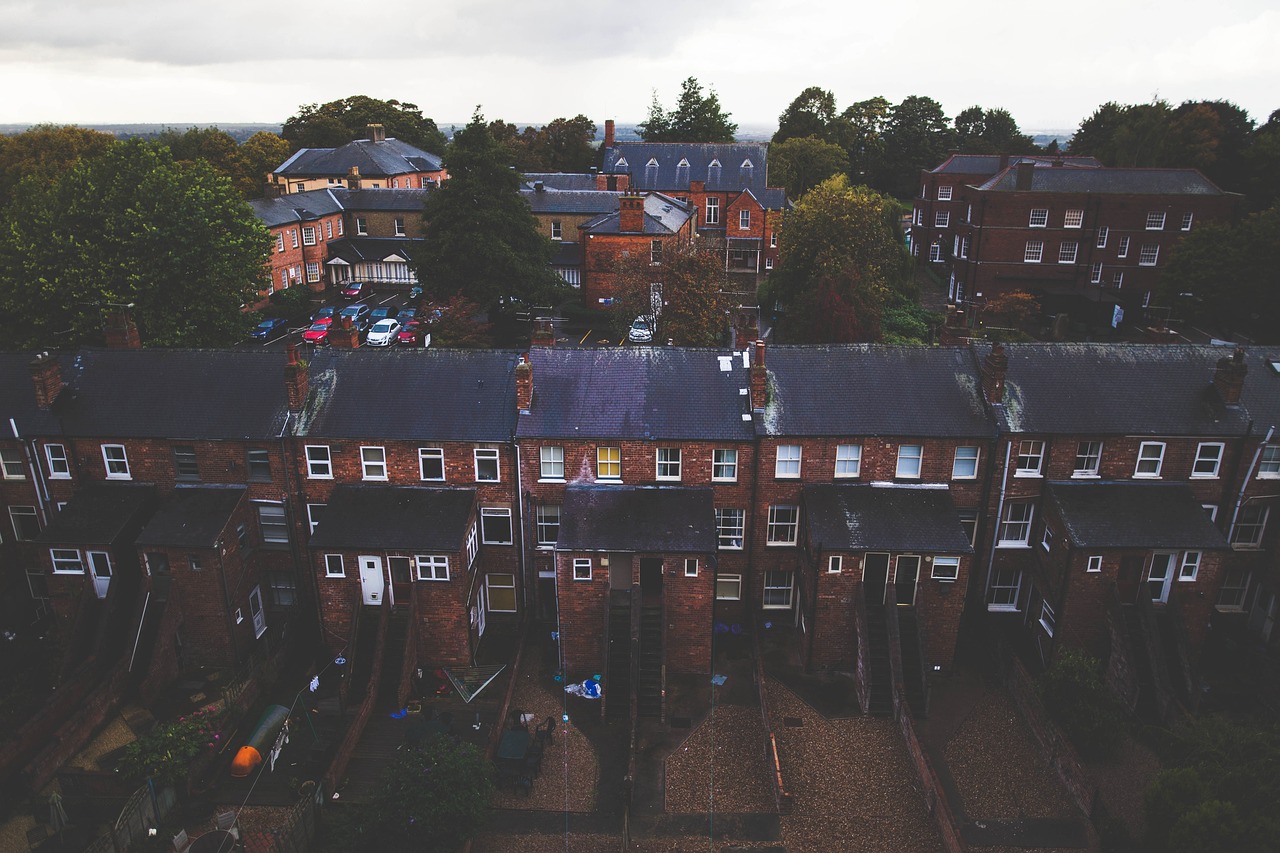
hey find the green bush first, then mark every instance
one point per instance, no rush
(166, 752)
(1080, 703)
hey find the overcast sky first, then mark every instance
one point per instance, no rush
(164, 61)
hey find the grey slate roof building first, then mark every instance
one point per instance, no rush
(192, 517)
(990, 164)
(862, 517)
(1126, 389)
(638, 392)
(359, 250)
(298, 207)
(671, 166)
(638, 519)
(384, 158)
(865, 389)
(100, 514)
(560, 180)
(662, 215)
(571, 201)
(395, 518)
(1125, 514)
(1109, 181)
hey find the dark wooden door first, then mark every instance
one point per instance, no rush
(875, 576)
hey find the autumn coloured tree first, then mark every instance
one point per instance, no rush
(689, 281)
(45, 152)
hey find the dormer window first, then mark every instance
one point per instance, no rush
(713, 172)
(683, 164)
(621, 164)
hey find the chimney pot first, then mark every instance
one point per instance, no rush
(377, 133)
(121, 332)
(296, 379)
(994, 368)
(759, 380)
(1229, 376)
(524, 385)
(608, 133)
(46, 376)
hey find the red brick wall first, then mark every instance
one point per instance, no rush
(583, 607)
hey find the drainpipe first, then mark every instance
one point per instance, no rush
(995, 532)
(1244, 484)
(37, 476)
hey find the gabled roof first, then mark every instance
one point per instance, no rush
(561, 180)
(1130, 514)
(406, 394)
(1123, 389)
(395, 518)
(373, 159)
(668, 176)
(571, 201)
(1126, 181)
(865, 389)
(179, 393)
(99, 514)
(354, 250)
(662, 215)
(637, 392)
(638, 519)
(296, 207)
(192, 517)
(989, 164)
(1262, 387)
(883, 518)
(408, 199)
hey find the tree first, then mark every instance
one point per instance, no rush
(1262, 164)
(261, 153)
(45, 151)
(457, 325)
(1079, 700)
(841, 261)
(692, 281)
(917, 137)
(564, 144)
(131, 226)
(801, 163)
(991, 132)
(338, 122)
(860, 130)
(482, 241)
(696, 118)
(810, 114)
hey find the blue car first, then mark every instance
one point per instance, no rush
(269, 328)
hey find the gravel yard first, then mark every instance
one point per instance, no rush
(721, 765)
(998, 769)
(852, 782)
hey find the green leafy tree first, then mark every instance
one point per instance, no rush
(261, 153)
(916, 137)
(482, 241)
(841, 262)
(433, 798)
(458, 324)
(812, 113)
(1262, 165)
(165, 753)
(564, 144)
(692, 281)
(983, 131)
(131, 226)
(801, 163)
(1080, 702)
(338, 122)
(860, 131)
(696, 118)
(45, 152)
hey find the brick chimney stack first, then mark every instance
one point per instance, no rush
(631, 213)
(120, 331)
(759, 380)
(296, 381)
(376, 133)
(46, 375)
(1025, 170)
(608, 133)
(343, 334)
(353, 179)
(1229, 375)
(524, 385)
(272, 189)
(994, 368)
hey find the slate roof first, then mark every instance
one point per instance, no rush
(668, 177)
(296, 207)
(561, 180)
(1122, 181)
(571, 201)
(192, 517)
(179, 393)
(989, 164)
(662, 215)
(1261, 395)
(407, 394)
(566, 253)
(1134, 515)
(639, 519)
(401, 200)
(865, 389)
(1122, 389)
(395, 518)
(355, 250)
(373, 159)
(99, 514)
(637, 392)
(886, 517)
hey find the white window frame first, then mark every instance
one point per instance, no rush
(1209, 456)
(362, 227)
(1005, 604)
(725, 583)
(744, 220)
(1039, 217)
(1048, 620)
(1029, 449)
(785, 592)
(1094, 565)
(373, 462)
(1149, 255)
(1095, 273)
(1212, 510)
(1015, 532)
(1103, 233)
(1189, 566)
(314, 511)
(334, 567)
(908, 453)
(691, 567)
(543, 523)
(835, 563)
(11, 461)
(724, 465)
(551, 463)
(1067, 251)
(1046, 538)
(1122, 251)
(1235, 583)
(951, 563)
(713, 210)
(944, 193)
(60, 558)
(783, 528)
(966, 456)
(1187, 219)
(614, 460)
(1145, 458)
(491, 582)
(942, 219)
(935, 252)
(431, 567)
(279, 241)
(1155, 220)
(787, 461)
(556, 230)
(1088, 448)
(59, 464)
(319, 468)
(496, 512)
(582, 568)
(1269, 463)
(275, 532)
(108, 460)
(667, 463)
(725, 528)
(1034, 252)
(293, 237)
(488, 454)
(308, 235)
(436, 454)
(1117, 279)
(1255, 527)
(773, 239)
(848, 461)
(26, 512)
(398, 225)
(1073, 218)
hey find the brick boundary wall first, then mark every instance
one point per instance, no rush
(351, 739)
(89, 714)
(1054, 746)
(784, 799)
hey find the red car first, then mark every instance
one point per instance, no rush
(318, 332)
(356, 290)
(411, 333)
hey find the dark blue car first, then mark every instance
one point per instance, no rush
(269, 328)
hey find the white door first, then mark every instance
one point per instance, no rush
(372, 581)
(256, 611)
(1161, 575)
(100, 566)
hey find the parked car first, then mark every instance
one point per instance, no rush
(411, 333)
(384, 333)
(415, 293)
(641, 331)
(326, 311)
(356, 290)
(318, 332)
(359, 314)
(407, 315)
(269, 328)
(383, 312)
